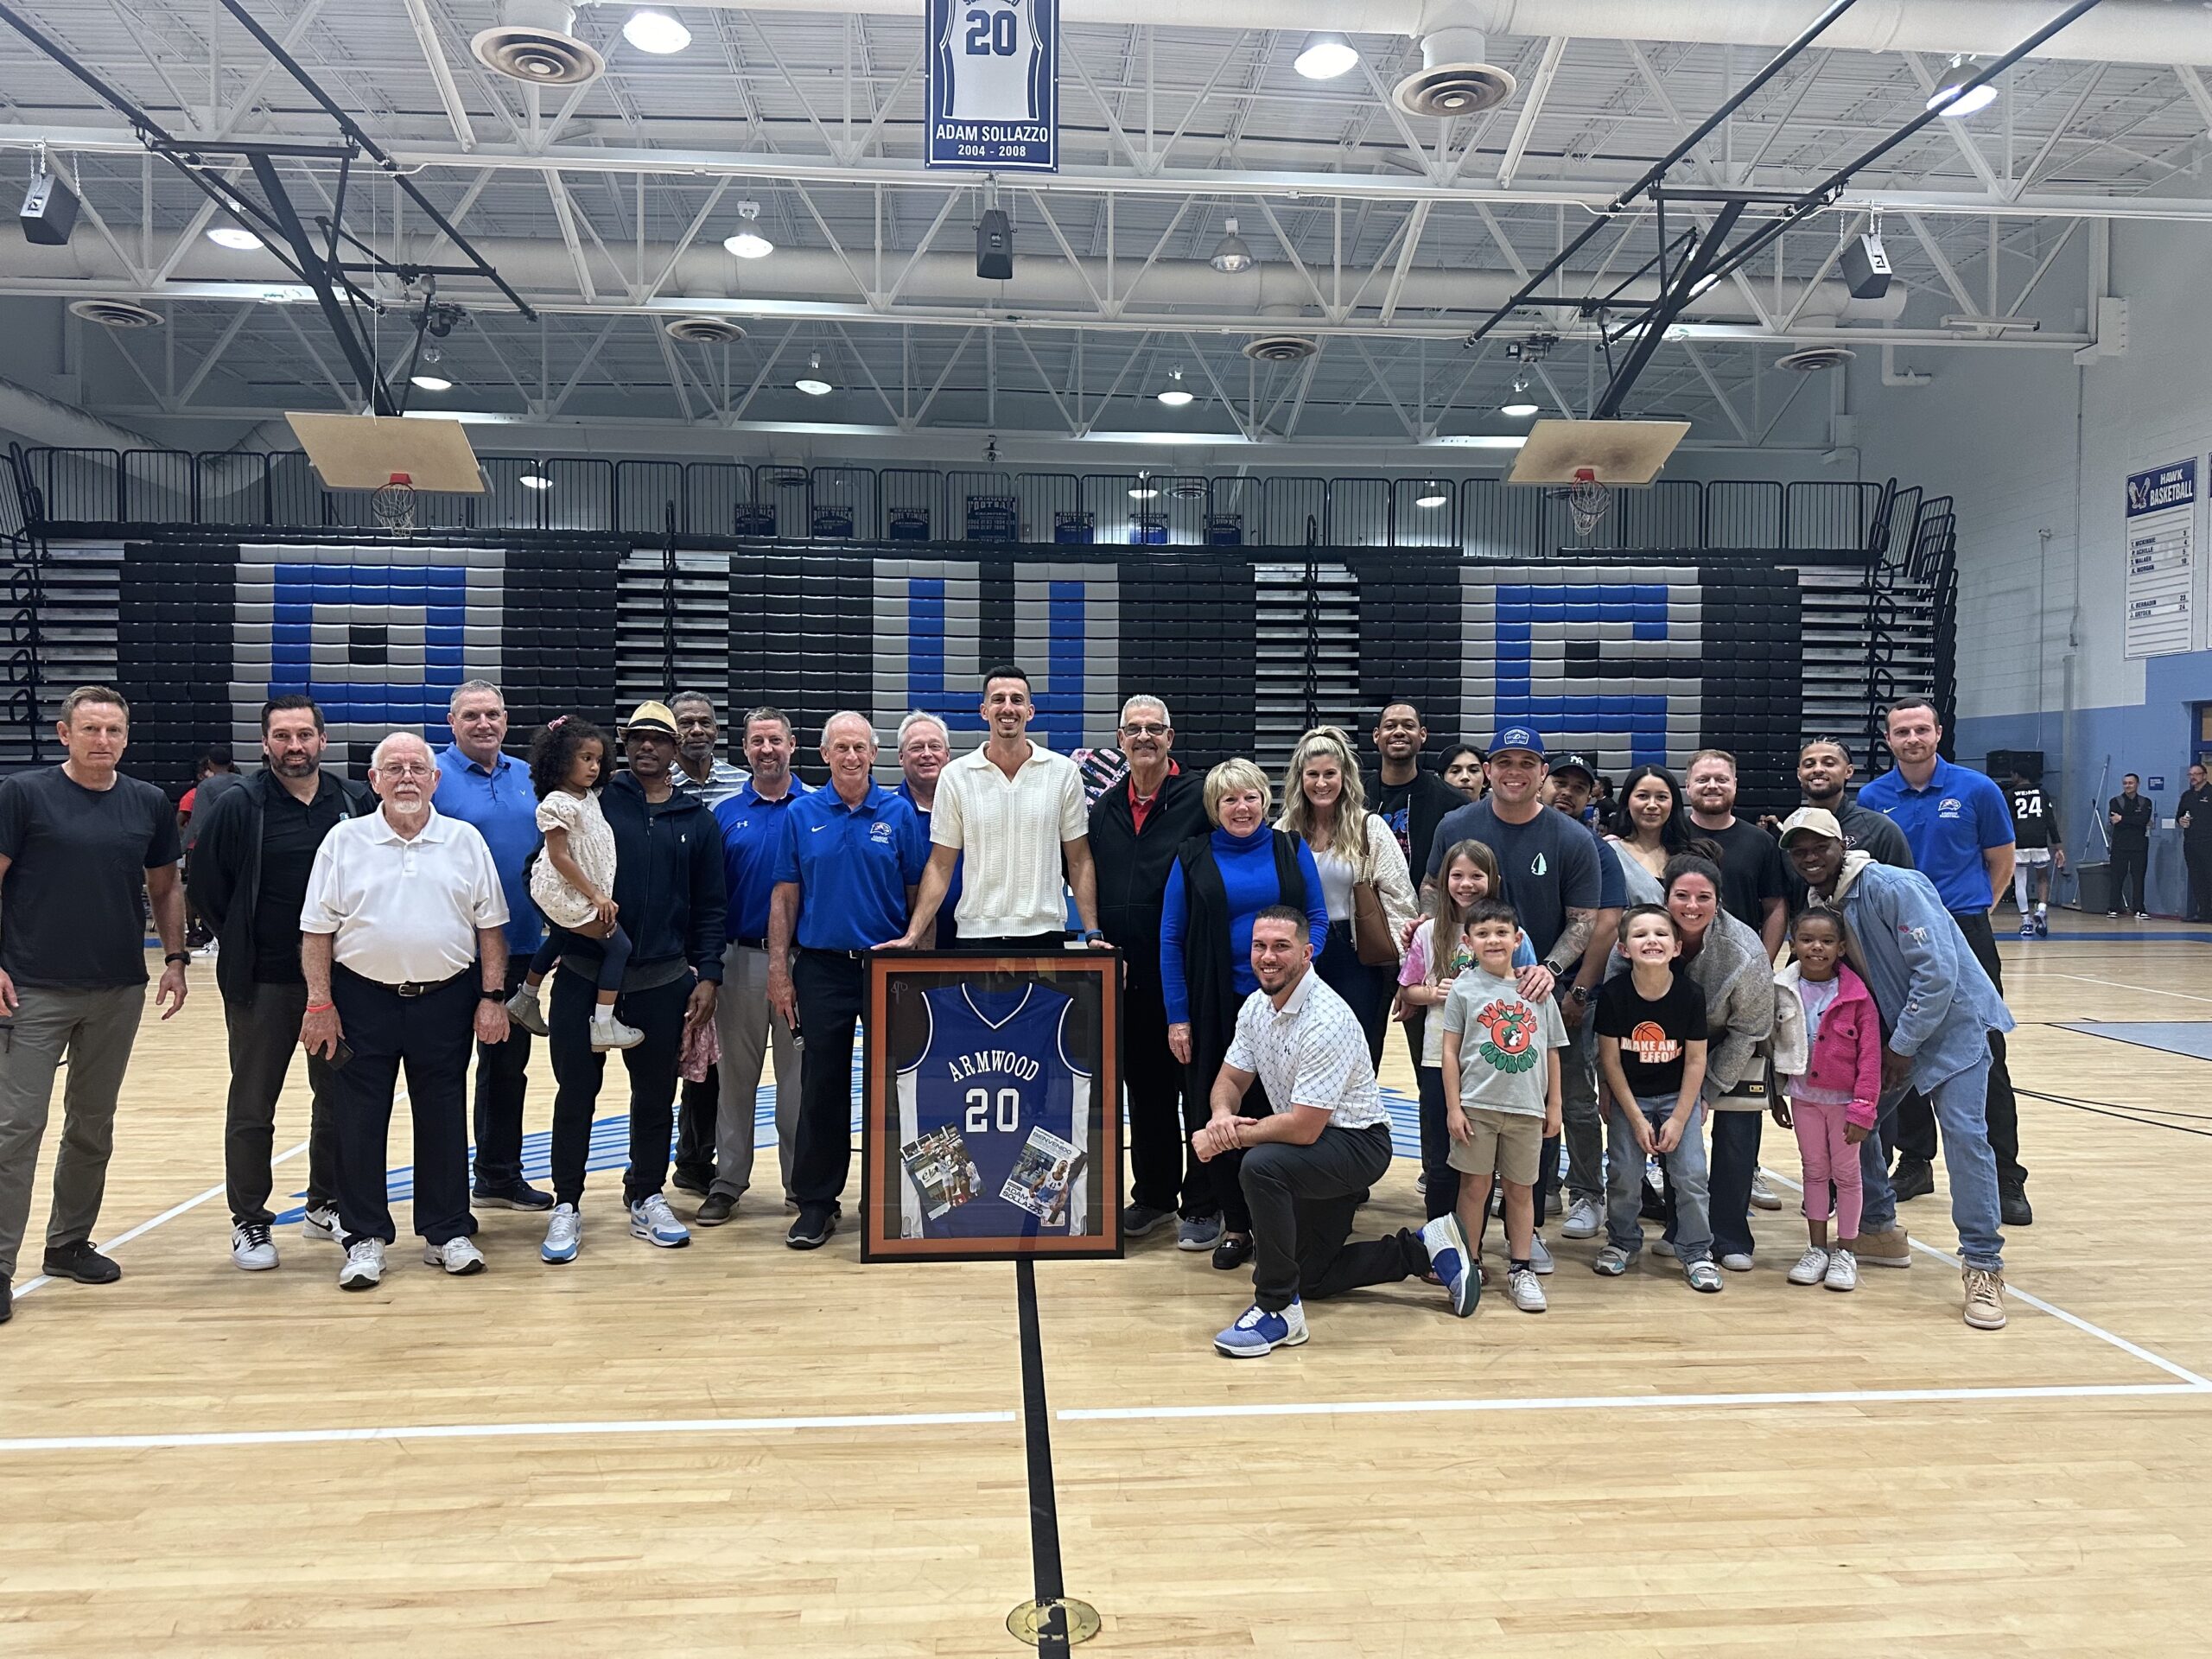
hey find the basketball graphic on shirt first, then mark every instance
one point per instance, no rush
(1510, 1035)
(1651, 1045)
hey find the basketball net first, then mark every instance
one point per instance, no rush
(392, 506)
(1587, 500)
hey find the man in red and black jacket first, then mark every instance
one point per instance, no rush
(1136, 827)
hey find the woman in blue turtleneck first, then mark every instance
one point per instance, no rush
(1217, 884)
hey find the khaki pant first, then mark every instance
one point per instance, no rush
(93, 1030)
(748, 1026)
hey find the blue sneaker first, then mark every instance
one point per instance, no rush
(1262, 1332)
(564, 1236)
(651, 1220)
(1447, 1255)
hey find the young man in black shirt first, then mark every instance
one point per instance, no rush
(1754, 881)
(2195, 818)
(249, 877)
(2038, 851)
(1411, 800)
(78, 843)
(2131, 816)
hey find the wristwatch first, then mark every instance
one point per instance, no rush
(1581, 995)
(491, 996)
(1090, 933)
(184, 956)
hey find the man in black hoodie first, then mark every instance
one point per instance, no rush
(1137, 826)
(248, 876)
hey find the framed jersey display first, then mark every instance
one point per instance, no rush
(993, 85)
(990, 1124)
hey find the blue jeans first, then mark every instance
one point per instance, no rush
(1684, 1168)
(1962, 1106)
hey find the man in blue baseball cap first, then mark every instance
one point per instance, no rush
(1552, 881)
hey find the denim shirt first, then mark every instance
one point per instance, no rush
(1938, 1002)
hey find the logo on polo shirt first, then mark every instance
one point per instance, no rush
(1950, 807)
(879, 831)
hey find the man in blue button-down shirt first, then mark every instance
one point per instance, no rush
(851, 859)
(1960, 828)
(479, 784)
(1941, 1011)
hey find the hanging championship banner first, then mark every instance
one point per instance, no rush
(993, 92)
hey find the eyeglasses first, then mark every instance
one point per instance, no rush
(1146, 730)
(406, 769)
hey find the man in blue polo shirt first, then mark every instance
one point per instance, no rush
(852, 856)
(479, 784)
(1960, 828)
(752, 822)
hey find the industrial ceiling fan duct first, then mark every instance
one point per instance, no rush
(115, 314)
(705, 331)
(1813, 359)
(535, 43)
(1455, 77)
(1280, 348)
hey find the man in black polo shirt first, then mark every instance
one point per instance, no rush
(1754, 881)
(249, 877)
(2195, 818)
(78, 843)
(2130, 814)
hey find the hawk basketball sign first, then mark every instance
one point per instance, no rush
(994, 85)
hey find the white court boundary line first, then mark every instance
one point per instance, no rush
(2122, 985)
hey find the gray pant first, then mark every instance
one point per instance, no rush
(1581, 1122)
(746, 1025)
(1685, 1175)
(264, 1035)
(94, 1030)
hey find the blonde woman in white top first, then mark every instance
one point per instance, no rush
(1324, 805)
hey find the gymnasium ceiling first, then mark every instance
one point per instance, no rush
(1383, 237)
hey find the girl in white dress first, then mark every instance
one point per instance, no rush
(570, 881)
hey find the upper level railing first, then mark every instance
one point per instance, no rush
(1479, 515)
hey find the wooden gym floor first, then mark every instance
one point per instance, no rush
(735, 1448)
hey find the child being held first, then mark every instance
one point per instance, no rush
(1651, 1062)
(1499, 1058)
(571, 880)
(1425, 980)
(1832, 1101)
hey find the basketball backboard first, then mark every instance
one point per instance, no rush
(368, 452)
(1613, 453)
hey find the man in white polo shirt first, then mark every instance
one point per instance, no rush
(404, 947)
(1307, 1165)
(1010, 815)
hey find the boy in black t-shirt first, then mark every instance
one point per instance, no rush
(1651, 1062)
(2038, 852)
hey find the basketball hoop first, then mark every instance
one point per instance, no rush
(392, 506)
(1587, 500)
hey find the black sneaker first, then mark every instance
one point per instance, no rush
(718, 1209)
(686, 1179)
(1232, 1252)
(1138, 1219)
(521, 1196)
(2012, 1205)
(1913, 1178)
(83, 1263)
(812, 1230)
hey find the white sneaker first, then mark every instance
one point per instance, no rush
(1763, 1196)
(607, 1032)
(457, 1257)
(564, 1235)
(363, 1268)
(1662, 1246)
(1584, 1220)
(1735, 1262)
(251, 1249)
(1843, 1271)
(320, 1223)
(1539, 1257)
(651, 1220)
(1528, 1294)
(1812, 1267)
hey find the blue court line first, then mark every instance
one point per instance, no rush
(2191, 1039)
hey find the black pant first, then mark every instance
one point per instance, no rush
(1164, 1173)
(430, 1035)
(2197, 852)
(1366, 990)
(1012, 945)
(2131, 863)
(831, 987)
(1441, 1193)
(1302, 1200)
(579, 1069)
(265, 1035)
(1215, 1187)
(1916, 1134)
(501, 1086)
(697, 1107)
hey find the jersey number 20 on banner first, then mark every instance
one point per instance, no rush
(994, 89)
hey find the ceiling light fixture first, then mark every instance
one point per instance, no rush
(811, 382)
(535, 481)
(1175, 394)
(1953, 105)
(429, 382)
(1144, 489)
(1432, 495)
(1325, 56)
(236, 237)
(749, 244)
(656, 32)
(1518, 404)
(1235, 253)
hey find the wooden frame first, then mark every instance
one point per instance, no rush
(1092, 979)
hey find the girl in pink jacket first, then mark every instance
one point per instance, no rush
(1832, 1101)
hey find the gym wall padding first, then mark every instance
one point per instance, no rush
(1637, 658)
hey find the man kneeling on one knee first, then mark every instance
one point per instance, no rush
(1304, 1167)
